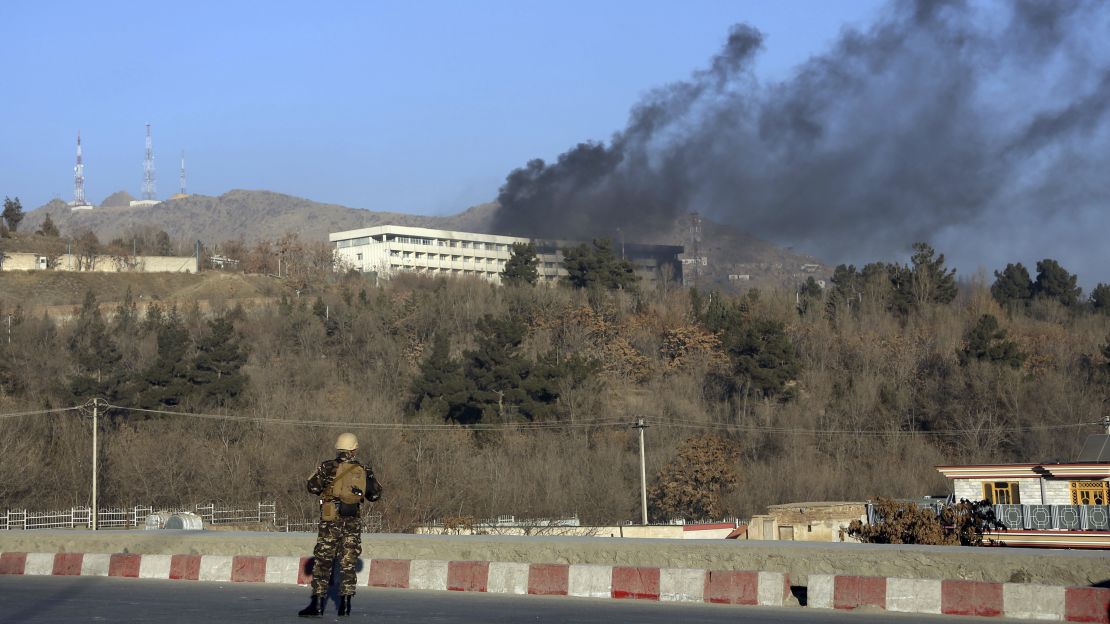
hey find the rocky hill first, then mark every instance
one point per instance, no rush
(255, 215)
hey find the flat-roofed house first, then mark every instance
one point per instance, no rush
(1057, 504)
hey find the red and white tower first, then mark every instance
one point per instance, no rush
(79, 176)
(148, 168)
(79, 180)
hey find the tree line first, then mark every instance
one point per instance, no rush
(766, 397)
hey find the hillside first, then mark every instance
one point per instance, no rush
(256, 215)
(56, 292)
(250, 215)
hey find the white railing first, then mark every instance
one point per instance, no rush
(213, 514)
(120, 518)
(371, 523)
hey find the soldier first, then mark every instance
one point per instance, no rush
(342, 484)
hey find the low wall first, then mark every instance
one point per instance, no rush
(654, 531)
(20, 261)
(799, 560)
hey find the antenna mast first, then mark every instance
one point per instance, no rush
(695, 222)
(183, 172)
(79, 177)
(148, 167)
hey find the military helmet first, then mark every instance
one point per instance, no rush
(346, 442)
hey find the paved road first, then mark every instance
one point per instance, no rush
(54, 600)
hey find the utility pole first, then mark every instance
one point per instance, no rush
(643, 473)
(9, 328)
(96, 404)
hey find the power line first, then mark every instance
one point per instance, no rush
(39, 412)
(862, 432)
(555, 425)
(599, 422)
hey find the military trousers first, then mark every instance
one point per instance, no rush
(337, 539)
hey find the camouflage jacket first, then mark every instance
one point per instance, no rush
(325, 474)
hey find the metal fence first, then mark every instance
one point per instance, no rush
(1035, 517)
(371, 523)
(131, 517)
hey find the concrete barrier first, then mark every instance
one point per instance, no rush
(959, 597)
(547, 579)
(956, 581)
(798, 560)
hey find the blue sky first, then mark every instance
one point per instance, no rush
(407, 106)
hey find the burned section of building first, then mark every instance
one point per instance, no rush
(390, 249)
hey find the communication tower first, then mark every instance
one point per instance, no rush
(183, 172)
(148, 168)
(695, 225)
(79, 177)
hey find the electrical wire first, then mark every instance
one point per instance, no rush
(600, 422)
(615, 422)
(861, 432)
(58, 410)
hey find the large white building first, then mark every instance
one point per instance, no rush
(388, 249)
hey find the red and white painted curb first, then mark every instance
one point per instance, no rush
(952, 597)
(544, 579)
(959, 597)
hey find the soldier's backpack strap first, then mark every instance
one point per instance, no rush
(339, 473)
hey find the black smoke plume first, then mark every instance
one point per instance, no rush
(982, 128)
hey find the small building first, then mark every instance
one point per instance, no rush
(806, 522)
(1055, 504)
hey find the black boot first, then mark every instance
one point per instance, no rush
(344, 605)
(314, 608)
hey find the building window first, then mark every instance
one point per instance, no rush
(1001, 492)
(465, 245)
(1088, 492)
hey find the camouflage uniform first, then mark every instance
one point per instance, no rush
(342, 536)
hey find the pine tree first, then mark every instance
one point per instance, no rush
(48, 228)
(216, 374)
(1012, 285)
(165, 382)
(1054, 282)
(986, 342)
(810, 295)
(99, 371)
(495, 367)
(521, 266)
(931, 282)
(1100, 298)
(441, 389)
(597, 266)
(846, 291)
(13, 213)
(127, 314)
(763, 359)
